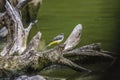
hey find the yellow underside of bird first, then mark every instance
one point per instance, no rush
(54, 42)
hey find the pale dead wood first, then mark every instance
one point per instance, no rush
(19, 6)
(74, 38)
(18, 34)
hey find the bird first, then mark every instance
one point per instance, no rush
(56, 40)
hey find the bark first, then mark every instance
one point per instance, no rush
(19, 6)
(18, 58)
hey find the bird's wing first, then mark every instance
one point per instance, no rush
(58, 37)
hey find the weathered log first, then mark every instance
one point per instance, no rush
(19, 6)
(17, 34)
(41, 59)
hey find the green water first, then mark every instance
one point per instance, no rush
(100, 20)
(98, 17)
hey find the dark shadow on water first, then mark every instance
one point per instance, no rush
(116, 45)
(113, 73)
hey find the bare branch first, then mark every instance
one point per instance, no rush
(18, 33)
(88, 50)
(13, 12)
(30, 26)
(19, 6)
(74, 38)
(33, 43)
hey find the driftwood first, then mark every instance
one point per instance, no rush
(18, 58)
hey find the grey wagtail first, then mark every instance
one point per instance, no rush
(56, 40)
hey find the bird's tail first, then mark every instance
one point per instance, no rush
(52, 43)
(49, 44)
(46, 47)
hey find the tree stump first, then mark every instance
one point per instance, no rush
(17, 57)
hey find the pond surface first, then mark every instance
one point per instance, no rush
(100, 20)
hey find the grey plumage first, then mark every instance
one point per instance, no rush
(59, 37)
